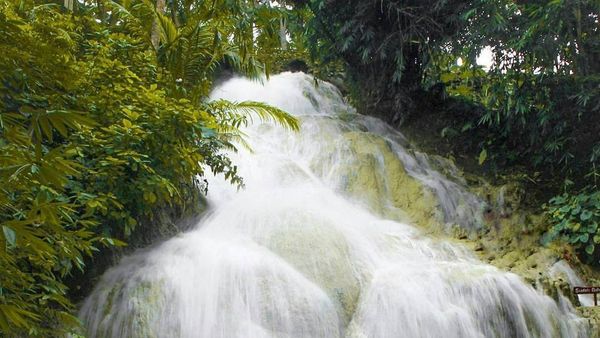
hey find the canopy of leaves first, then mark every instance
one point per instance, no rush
(383, 44)
(540, 97)
(99, 127)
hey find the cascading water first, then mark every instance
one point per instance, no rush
(318, 245)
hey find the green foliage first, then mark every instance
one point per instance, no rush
(540, 98)
(575, 219)
(384, 46)
(98, 129)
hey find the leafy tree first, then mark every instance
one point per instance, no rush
(384, 45)
(541, 94)
(98, 129)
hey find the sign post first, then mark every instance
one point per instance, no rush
(587, 290)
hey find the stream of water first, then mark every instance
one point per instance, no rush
(320, 244)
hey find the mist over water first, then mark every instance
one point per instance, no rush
(319, 244)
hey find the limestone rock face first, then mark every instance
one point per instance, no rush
(378, 178)
(326, 262)
(593, 316)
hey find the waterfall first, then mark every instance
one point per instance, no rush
(322, 242)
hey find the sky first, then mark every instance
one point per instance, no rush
(485, 57)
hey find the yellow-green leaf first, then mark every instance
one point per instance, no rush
(10, 236)
(482, 156)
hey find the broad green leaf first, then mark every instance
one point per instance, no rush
(586, 215)
(589, 249)
(10, 236)
(482, 156)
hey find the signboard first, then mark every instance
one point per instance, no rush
(586, 290)
(579, 290)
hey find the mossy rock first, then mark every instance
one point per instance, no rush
(379, 179)
(592, 314)
(326, 261)
(144, 303)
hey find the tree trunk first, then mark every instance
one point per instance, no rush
(283, 34)
(155, 35)
(69, 4)
(175, 13)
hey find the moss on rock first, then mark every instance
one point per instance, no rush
(379, 179)
(326, 262)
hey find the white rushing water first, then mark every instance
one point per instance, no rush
(562, 269)
(316, 245)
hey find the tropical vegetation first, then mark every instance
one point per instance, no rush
(105, 118)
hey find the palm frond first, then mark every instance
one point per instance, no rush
(250, 109)
(233, 138)
(168, 30)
